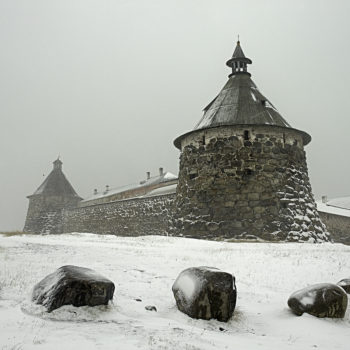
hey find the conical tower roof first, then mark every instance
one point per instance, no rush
(238, 55)
(240, 102)
(56, 184)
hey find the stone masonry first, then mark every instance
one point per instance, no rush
(230, 187)
(129, 217)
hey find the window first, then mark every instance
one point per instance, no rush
(248, 171)
(246, 135)
(203, 139)
(193, 176)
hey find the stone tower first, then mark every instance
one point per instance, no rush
(46, 204)
(243, 171)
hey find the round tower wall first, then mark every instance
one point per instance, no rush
(246, 182)
(282, 135)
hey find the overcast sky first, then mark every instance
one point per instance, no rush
(108, 85)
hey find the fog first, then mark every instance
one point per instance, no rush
(108, 85)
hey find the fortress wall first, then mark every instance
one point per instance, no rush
(338, 226)
(130, 217)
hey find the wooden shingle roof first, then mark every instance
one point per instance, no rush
(56, 184)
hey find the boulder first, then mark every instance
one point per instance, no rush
(205, 292)
(151, 308)
(345, 284)
(73, 285)
(320, 300)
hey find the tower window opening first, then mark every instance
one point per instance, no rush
(248, 171)
(246, 135)
(284, 138)
(193, 176)
(203, 139)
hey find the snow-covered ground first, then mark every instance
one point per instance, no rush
(145, 268)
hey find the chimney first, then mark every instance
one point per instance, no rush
(95, 191)
(161, 172)
(148, 175)
(324, 199)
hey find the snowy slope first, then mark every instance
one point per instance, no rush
(145, 268)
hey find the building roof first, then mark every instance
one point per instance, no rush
(56, 184)
(341, 202)
(330, 209)
(164, 178)
(337, 203)
(240, 102)
(169, 189)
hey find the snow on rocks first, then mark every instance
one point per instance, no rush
(73, 285)
(345, 284)
(151, 308)
(267, 273)
(205, 292)
(320, 300)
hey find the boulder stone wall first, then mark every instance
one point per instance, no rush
(246, 183)
(131, 217)
(338, 225)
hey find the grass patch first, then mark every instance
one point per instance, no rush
(13, 233)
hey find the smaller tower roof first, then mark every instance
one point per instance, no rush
(56, 183)
(238, 55)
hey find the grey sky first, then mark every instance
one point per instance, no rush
(108, 85)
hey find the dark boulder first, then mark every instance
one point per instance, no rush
(320, 300)
(345, 284)
(205, 292)
(151, 308)
(73, 285)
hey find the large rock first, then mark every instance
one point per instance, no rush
(205, 292)
(73, 285)
(320, 300)
(345, 284)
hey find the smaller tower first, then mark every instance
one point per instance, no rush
(47, 202)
